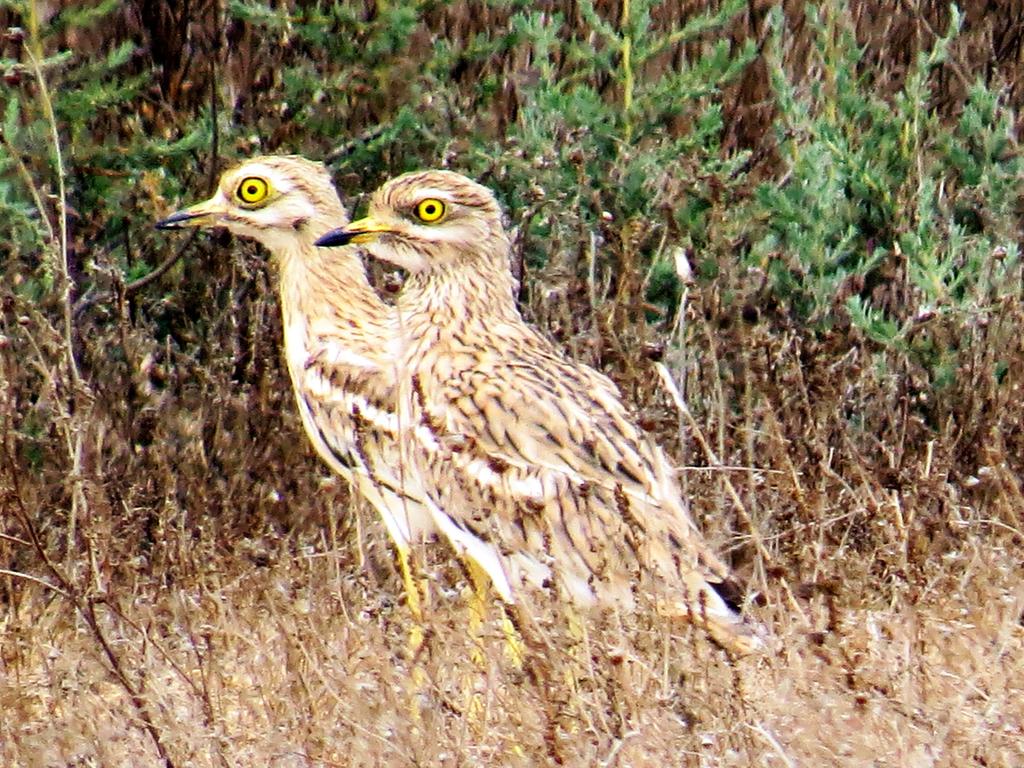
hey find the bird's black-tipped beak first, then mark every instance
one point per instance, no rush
(179, 220)
(362, 231)
(204, 214)
(340, 236)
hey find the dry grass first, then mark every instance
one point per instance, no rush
(252, 618)
(301, 662)
(182, 583)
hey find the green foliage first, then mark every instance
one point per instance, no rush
(345, 63)
(591, 147)
(65, 120)
(663, 288)
(588, 148)
(17, 213)
(601, 129)
(882, 201)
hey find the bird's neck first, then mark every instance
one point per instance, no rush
(464, 298)
(325, 296)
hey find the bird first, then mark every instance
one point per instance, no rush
(339, 335)
(528, 460)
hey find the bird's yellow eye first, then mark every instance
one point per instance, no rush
(252, 190)
(430, 210)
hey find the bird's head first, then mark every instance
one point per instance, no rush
(280, 201)
(428, 220)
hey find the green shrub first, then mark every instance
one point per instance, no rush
(69, 140)
(598, 134)
(887, 215)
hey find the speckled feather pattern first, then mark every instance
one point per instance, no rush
(339, 336)
(533, 457)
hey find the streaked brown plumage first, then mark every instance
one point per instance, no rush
(338, 334)
(530, 460)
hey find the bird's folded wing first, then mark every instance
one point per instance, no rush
(552, 427)
(510, 474)
(354, 429)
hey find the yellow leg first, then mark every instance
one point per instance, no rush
(515, 648)
(413, 597)
(417, 634)
(477, 611)
(474, 700)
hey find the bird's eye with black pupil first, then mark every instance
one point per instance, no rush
(430, 210)
(252, 190)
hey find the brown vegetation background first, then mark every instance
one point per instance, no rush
(184, 584)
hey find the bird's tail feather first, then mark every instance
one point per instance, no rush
(704, 606)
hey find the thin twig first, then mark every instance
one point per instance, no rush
(677, 398)
(162, 268)
(75, 433)
(766, 735)
(728, 468)
(88, 300)
(36, 579)
(343, 150)
(211, 180)
(26, 179)
(62, 213)
(954, 65)
(613, 755)
(14, 540)
(150, 640)
(86, 608)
